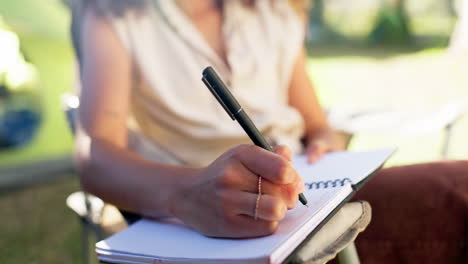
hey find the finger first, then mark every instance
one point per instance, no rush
(315, 150)
(284, 151)
(248, 182)
(245, 226)
(288, 193)
(266, 164)
(270, 208)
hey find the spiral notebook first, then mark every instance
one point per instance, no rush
(329, 183)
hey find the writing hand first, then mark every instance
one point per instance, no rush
(221, 199)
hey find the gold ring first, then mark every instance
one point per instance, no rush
(259, 194)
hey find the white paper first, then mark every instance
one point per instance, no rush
(339, 165)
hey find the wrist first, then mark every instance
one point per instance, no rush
(176, 201)
(324, 134)
(162, 195)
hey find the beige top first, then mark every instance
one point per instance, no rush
(175, 118)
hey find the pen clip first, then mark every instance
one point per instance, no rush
(213, 91)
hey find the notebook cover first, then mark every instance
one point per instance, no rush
(356, 187)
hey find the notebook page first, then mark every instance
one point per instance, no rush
(339, 165)
(331, 198)
(174, 242)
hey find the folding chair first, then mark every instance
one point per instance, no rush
(96, 218)
(387, 120)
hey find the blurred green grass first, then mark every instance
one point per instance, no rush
(38, 228)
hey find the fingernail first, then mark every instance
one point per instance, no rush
(300, 187)
(312, 159)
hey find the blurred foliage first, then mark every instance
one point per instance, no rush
(46, 18)
(42, 27)
(363, 22)
(319, 31)
(392, 25)
(19, 93)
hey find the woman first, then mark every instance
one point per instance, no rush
(154, 141)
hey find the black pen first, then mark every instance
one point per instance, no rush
(235, 111)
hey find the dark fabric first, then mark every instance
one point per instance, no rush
(419, 214)
(129, 217)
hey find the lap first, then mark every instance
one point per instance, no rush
(420, 213)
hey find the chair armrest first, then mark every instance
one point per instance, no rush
(338, 233)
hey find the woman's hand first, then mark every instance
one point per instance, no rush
(221, 199)
(322, 143)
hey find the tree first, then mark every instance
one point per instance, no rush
(319, 31)
(392, 24)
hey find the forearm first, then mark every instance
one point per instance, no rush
(319, 137)
(303, 97)
(317, 128)
(128, 181)
(316, 125)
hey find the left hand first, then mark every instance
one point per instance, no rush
(319, 145)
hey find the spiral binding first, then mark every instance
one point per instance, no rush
(328, 184)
